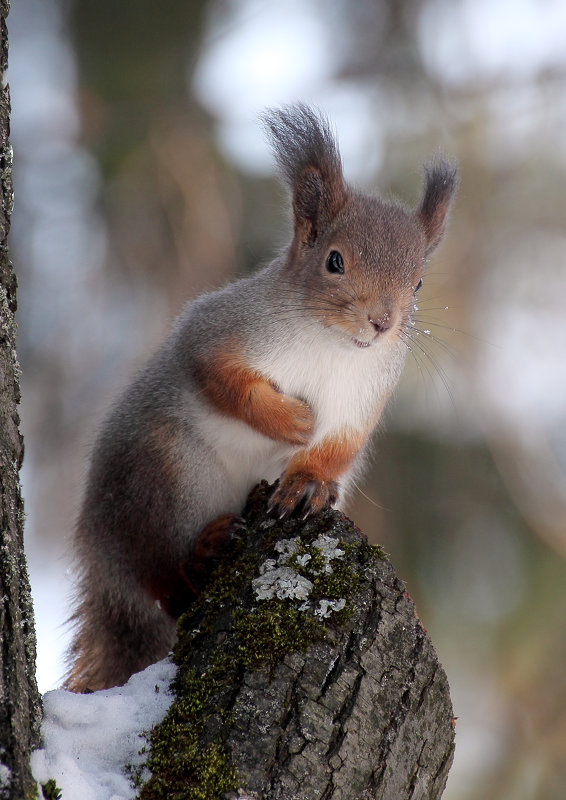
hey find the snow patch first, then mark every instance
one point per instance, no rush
(89, 738)
(5, 776)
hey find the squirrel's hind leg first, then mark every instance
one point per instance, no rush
(210, 545)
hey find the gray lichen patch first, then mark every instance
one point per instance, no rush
(286, 577)
(283, 583)
(329, 548)
(328, 607)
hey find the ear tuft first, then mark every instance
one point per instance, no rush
(441, 181)
(307, 154)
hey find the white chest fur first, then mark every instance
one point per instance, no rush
(344, 385)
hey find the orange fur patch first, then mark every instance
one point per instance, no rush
(329, 459)
(240, 392)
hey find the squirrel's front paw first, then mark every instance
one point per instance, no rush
(292, 421)
(302, 493)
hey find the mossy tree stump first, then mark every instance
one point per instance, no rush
(304, 673)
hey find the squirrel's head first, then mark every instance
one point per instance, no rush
(357, 260)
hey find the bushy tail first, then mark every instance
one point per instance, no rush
(113, 640)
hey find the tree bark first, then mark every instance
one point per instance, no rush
(19, 698)
(304, 672)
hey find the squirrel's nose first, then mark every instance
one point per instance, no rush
(381, 321)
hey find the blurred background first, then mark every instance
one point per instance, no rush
(142, 178)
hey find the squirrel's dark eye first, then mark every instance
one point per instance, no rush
(418, 286)
(335, 262)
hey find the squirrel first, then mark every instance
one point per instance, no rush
(280, 375)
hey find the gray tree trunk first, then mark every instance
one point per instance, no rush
(304, 673)
(19, 699)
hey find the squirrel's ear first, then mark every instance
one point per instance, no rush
(307, 154)
(441, 181)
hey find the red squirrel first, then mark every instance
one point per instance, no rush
(280, 375)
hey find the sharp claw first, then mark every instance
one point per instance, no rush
(237, 526)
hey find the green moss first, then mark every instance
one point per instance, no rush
(341, 582)
(373, 552)
(50, 790)
(266, 633)
(33, 793)
(183, 769)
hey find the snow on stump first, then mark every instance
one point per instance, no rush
(303, 673)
